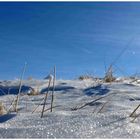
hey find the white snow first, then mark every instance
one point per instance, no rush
(65, 121)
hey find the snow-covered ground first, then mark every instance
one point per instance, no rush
(76, 112)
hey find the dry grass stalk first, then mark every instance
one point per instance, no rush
(102, 107)
(49, 108)
(11, 106)
(54, 77)
(45, 99)
(38, 106)
(134, 111)
(20, 86)
(136, 116)
(86, 104)
(105, 103)
(37, 93)
(109, 75)
(85, 77)
(2, 109)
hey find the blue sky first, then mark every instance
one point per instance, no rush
(76, 37)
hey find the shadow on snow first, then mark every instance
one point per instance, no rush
(98, 90)
(6, 117)
(58, 88)
(4, 90)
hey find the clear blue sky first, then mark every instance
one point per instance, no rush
(76, 37)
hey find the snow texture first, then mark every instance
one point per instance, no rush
(76, 110)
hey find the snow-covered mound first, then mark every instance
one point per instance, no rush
(81, 109)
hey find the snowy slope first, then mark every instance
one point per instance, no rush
(76, 111)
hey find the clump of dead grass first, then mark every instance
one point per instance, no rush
(85, 77)
(109, 75)
(2, 109)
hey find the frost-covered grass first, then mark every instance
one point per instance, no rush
(64, 122)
